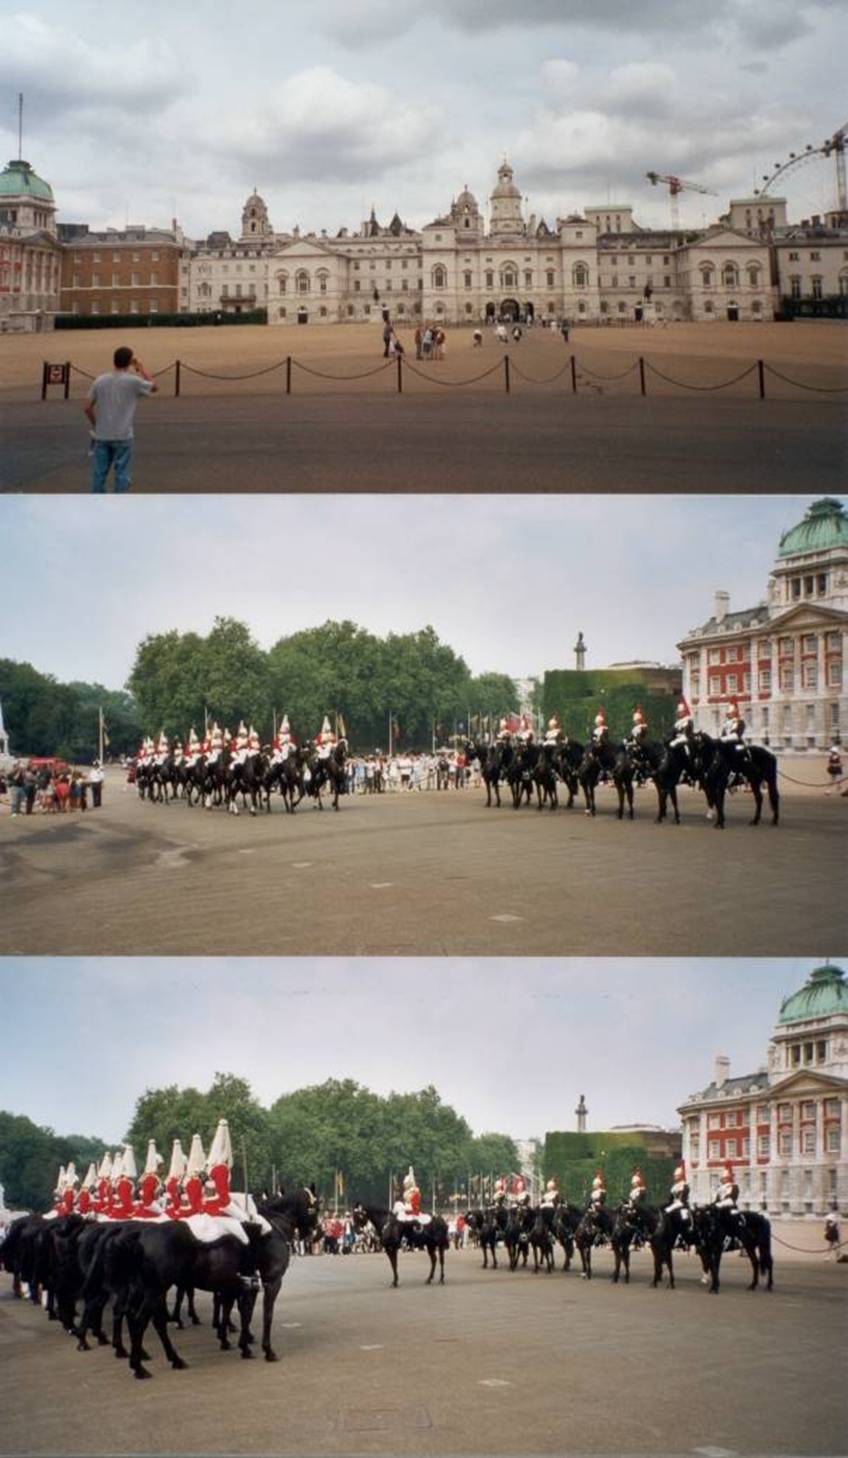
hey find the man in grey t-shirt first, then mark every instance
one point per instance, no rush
(110, 408)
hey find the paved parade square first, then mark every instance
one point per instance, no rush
(494, 1362)
(430, 873)
(344, 427)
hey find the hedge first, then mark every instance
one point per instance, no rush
(139, 321)
(576, 697)
(574, 1158)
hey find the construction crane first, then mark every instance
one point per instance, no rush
(676, 185)
(833, 147)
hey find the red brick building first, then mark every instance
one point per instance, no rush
(132, 271)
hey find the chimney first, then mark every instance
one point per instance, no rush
(722, 604)
(581, 1111)
(722, 1069)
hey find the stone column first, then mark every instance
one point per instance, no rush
(796, 1160)
(820, 1168)
(774, 1162)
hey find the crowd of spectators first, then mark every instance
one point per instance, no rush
(47, 788)
(378, 773)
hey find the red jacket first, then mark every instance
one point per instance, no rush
(219, 1176)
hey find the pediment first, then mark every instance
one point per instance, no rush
(807, 1081)
(728, 238)
(303, 248)
(807, 615)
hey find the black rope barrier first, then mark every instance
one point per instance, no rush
(607, 379)
(253, 374)
(683, 385)
(472, 381)
(364, 375)
(814, 389)
(532, 380)
(85, 373)
(805, 784)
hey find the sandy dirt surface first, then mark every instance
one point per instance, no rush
(813, 353)
(493, 1362)
(433, 874)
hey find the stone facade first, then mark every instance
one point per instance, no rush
(30, 253)
(784, 1129)
(598, 267)
(782, 661)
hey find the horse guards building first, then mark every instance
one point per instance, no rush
(783, 660)
(783, 1128)
(596, 267)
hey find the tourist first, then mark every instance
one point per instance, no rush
(834, 766)
(17, 792)
(29, 789)
(388, 335)
(95, 779)
(110, 409)
(831, 1235)
(418, 338)
(63, 792)
(426, 343)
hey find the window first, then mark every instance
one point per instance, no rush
(810, 675)
(834, 674)
(764, 1145)
(833, 1139)
(440, 277)
(784, 1113)
(765, 680)
(808, 1108)
(116, 257)
(549, 277)
(695, 1146)
(753, 275)
(746, 1148)
(784, 1141)
(809, 643)
(731, 683)
(134, 306)
(714, 1121)
(795, 286)
(490, 279)
(580, 276)
(467, 280)
(715, 687)
(730, 1149)
(808, 1141)
(707, 276)
(715, 1149)
(815, 257)
(153, 306)
(95, 306)
(136, 258)
(154, 257)
(794, 257)
(787, 677)
(528, 279)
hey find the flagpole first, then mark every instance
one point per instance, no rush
(100, 734)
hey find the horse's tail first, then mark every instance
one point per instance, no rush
(764, 1245)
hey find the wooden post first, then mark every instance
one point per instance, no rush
(288, 374)
(761, 376)
(642, 375)
(67, 378)
(506, 372)
(44, 372)
(176, 379)
(400, 375)
(573, 375)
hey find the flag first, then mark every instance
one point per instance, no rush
(342, 729)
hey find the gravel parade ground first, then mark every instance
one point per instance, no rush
(425, 874)
(494, 1362)
(345, 428)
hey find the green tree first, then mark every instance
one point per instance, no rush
(169, 1113)
(30, 1156)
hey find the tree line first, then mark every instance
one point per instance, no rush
(179, 679)
(339, 1135)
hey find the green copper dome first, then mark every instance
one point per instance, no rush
(824, 993)
(18, 180)
(825, 526)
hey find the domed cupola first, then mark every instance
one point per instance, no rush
(465, 213)
(824, 527)
(26, 200)
(255, 223)
(824, 994)
(506, 204)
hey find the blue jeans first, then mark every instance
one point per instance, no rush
(108, 453)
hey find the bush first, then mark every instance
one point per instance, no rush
(576, 696)
(139, 321)
(574, 1158)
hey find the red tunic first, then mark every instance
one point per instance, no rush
(193, 1196)
(148, 1190)
(84, 1202)
(172, 1205)
(414, 1202)
(122, 1200)
(219, 1176)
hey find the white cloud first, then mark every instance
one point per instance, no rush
(318, 124)
(60, 72)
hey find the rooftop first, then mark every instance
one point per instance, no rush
(824, 993)
(824, 527)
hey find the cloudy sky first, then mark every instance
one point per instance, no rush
(330, 108)
(635, 1036)
(507, 582)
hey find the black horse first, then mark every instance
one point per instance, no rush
(432, 1237)
(545, 775)
(487, 1226)
(517, 1235)
(542, 1238)
(328, 771)
(599, 760)
(718, 1230)
(671, 763)
(595, 1228)
(494, 760)
(565, 1222)
(722, 762)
